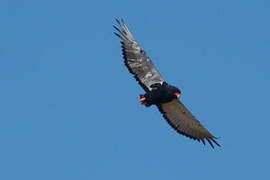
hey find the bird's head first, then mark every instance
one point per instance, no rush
(173, 92)
(176, 93)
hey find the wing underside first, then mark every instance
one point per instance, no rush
(182, 120)
(144, 71)
(136, 59)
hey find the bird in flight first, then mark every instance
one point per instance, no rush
(157, 91)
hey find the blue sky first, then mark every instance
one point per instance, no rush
(69, 108)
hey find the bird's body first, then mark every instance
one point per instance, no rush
(158, 91)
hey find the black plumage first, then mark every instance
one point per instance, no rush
(159, 92)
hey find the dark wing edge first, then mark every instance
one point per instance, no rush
(188, 119)
(136, 60)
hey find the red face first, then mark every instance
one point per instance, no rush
(177, 94)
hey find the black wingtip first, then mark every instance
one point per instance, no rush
(213, 139)
(117, 29)
(118, 35)
(210, 142)
(118, 21)
(203, 141)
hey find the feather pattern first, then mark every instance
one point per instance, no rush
(144, 71)
(136, 59)
(182, 120)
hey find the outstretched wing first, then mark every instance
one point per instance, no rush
(136, 60)
(181, 119)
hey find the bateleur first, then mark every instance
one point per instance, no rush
(158, 91)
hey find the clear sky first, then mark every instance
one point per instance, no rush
(69, 108)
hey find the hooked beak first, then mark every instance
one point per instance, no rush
(177, 94)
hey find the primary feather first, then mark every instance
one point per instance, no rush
(136, 60)
(144, 71)
(181, 119)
